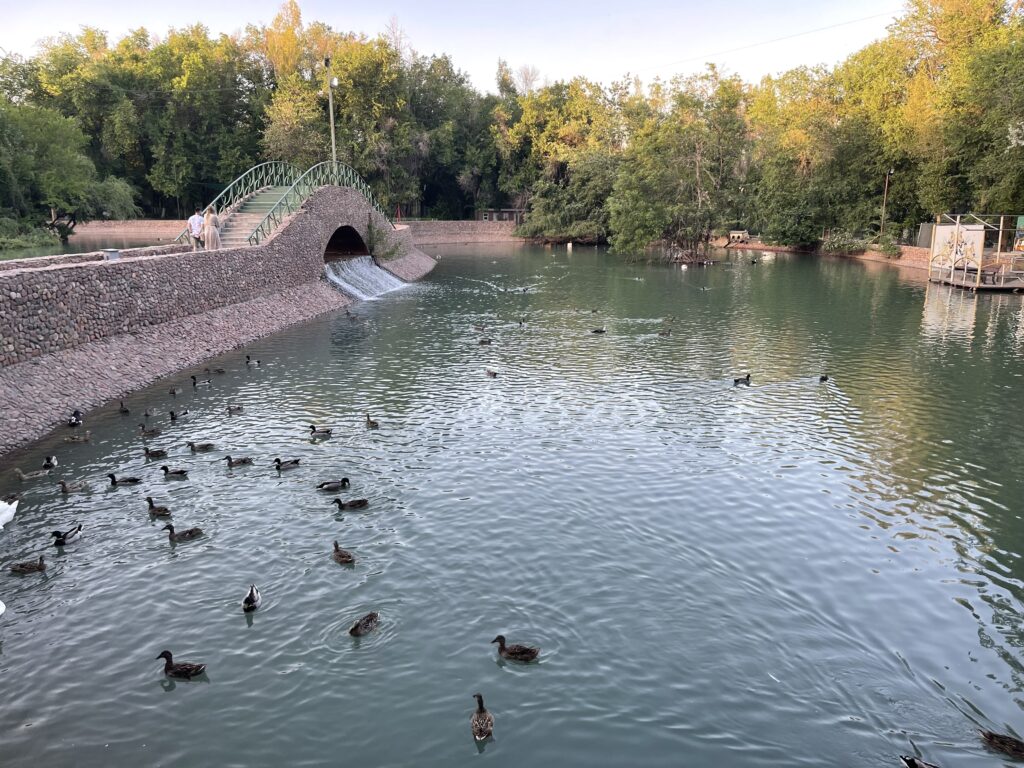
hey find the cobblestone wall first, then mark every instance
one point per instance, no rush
(49, 307)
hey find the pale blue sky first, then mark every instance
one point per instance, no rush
(595, 38)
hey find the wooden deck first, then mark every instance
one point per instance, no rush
(990, 281)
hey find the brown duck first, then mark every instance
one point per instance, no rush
(515, 652)
(482, 721)
(183, 670)
(342, 556)
(33, 566)
(365, 625)
(186, 535)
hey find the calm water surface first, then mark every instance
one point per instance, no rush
(788, 574)
(84, 244)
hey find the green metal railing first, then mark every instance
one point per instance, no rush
(273, 174)
(320, 175)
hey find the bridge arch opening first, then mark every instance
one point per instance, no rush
(345, 242)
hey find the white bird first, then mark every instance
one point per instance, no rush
(8, 506)
(252, 600)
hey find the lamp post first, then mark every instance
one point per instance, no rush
(332, 83)
(885, 196)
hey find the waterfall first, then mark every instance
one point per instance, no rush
(361, 278)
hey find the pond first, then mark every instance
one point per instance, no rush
(793, 572)
(83, 243)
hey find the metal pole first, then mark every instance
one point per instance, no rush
(330, 107)
(885, 196)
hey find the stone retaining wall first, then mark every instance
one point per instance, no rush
(447, 232)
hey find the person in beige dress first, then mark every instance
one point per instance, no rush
(211, 230)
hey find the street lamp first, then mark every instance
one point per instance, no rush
(885, 196)
(332, 83)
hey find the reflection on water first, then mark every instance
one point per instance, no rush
(791, 573)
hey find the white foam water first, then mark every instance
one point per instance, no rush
(361, 278)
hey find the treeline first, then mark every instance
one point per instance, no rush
(89, 127)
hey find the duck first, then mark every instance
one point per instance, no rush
(75, 419)
(123, 480)
(30, 475)
(234, 410)
(744, 380)
(187, 535)
(155, 453)
(175, 416)
(602, 329)
(484, 342)
(319, 432)
(665, 332)
(365, 625)
(915, 762)
(1009, 745)
(144, 433)
(169, 473)
(823, 378)
(482, 721)
(174, 391)
(122, 409)
(8, 506)
(283, 465)
(87, 437)
(60, 539)
(66, 487)
(491, 374)
(218, 371)
(479, 327)
(32, 566)
(156, 511)
(200, 447)
(252, 363)
(351, 504)
(515, 652)
(183, 670)
(197, 383)
(342, 556)
(50, 462)
(252, 600)
(239, 462)
(334, 485)
(371, 424)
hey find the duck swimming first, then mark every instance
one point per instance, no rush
(322, 432)
(283, 465)
(182, 670)
(218, 371)
(123, 480)
(1009, 745)
(744, 380)
(602, 329)
(29, 475)
(351, 504)
(144, 432)
(32, 566)
(334, 485)
(156, 511)
(187, 535)
(200, 447)
(60, 539)
(235, 409)
(252, 363)
(50, 462)
(156, 453)
(252, 600)
(365, 625)
(122, 409)
(197, 383)
(342, 556)
(75, 420)
(482, 721)
(371, 424)
(515, 652)
(87, 437)
(175, 416)
(174, 474)
(239, 462)
(823, 378)
(66, 487)
(175, 391)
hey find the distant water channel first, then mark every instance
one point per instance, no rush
(786, 574)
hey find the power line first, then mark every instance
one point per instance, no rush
(707, 56)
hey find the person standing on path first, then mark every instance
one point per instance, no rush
(195, 229)
(211, 230)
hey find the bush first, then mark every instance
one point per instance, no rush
(887, 244)
(842, 243)
(19, 234)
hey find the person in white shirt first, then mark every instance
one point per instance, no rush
(195, 228)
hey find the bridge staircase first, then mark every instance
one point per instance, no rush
(238, 225)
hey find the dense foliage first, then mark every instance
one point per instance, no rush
(92, 128)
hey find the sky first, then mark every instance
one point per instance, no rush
(598, 39)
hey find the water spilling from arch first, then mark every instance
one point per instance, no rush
(361, 278)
